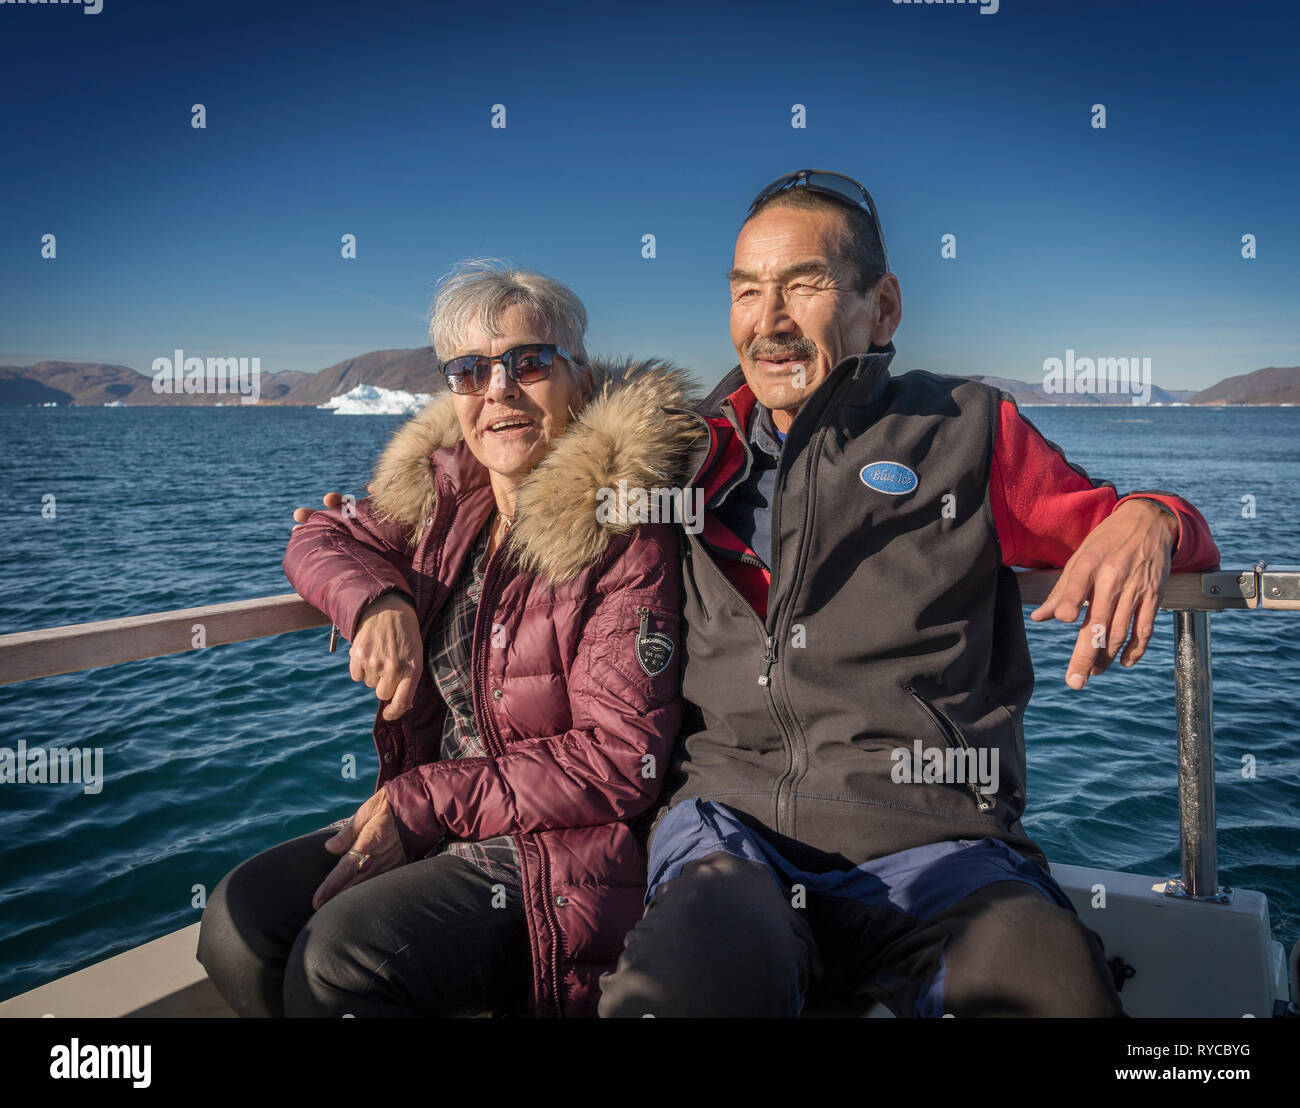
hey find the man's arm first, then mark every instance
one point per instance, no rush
(1044, 506)
(1117, 552)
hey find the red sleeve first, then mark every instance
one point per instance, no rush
(1044, 506)
(597, 771)
(341, 563)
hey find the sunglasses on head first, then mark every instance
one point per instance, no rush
(528, 364)
(832, 184)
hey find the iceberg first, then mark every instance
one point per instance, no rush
(372, 400)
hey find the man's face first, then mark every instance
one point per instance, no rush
(510, 427)
(795, 312)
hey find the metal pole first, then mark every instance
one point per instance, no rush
(1194, 700)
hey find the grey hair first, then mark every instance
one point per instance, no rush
(483, 289)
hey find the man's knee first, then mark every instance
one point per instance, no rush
(1018, 954)
(719, 939)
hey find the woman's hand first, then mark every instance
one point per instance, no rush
(388, 653)
(387, 650)
(372, 833)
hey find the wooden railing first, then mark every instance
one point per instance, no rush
(30, 654)
(27, 655)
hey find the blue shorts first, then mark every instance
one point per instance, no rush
(921, 882)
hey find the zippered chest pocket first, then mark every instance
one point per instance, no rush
(955, 739)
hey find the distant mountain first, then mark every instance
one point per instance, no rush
(84, 383)
(93, 384)
(276, 386)
(1027, 393)
(409, 370)
(1264, 386)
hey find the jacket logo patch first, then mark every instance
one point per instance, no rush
(654, 649)
(891, 477)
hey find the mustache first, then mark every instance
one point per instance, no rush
(773, 349)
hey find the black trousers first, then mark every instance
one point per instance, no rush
(721, 939)
(424, 939)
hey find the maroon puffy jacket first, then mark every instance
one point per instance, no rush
(575, 657)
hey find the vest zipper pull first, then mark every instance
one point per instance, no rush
(644, 613)
(334, 638)
(765, 678)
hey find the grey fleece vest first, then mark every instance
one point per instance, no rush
(895, 636)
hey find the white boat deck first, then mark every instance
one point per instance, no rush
(1192, 958)
(161, 979)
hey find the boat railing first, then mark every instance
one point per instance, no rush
(1192, 597)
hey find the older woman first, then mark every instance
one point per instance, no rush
(524, 647)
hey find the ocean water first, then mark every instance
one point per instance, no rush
(214, 755)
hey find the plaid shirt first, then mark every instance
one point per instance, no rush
(448, 655)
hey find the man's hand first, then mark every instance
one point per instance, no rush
(332, 500)
(371, 831)
(1118, 571)
(387, 653)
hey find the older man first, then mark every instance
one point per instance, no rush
(845, 811)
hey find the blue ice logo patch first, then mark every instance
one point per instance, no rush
(891, 477)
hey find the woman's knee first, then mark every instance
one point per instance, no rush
(332, 968)
(312, 982)
(235, 944)
(250, 922)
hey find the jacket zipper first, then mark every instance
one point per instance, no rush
(553, 923)
(486, 609)
(780, 627)
(796, 763)
(781, 622)
(496, 746)
(952, 736)
(769, 660)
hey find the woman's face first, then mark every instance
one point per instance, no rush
(510, 427)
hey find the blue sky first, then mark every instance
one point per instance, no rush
(333, 117)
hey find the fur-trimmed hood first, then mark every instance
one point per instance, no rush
(623, 434)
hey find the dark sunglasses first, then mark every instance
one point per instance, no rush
(832, 184)
(471, 373)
